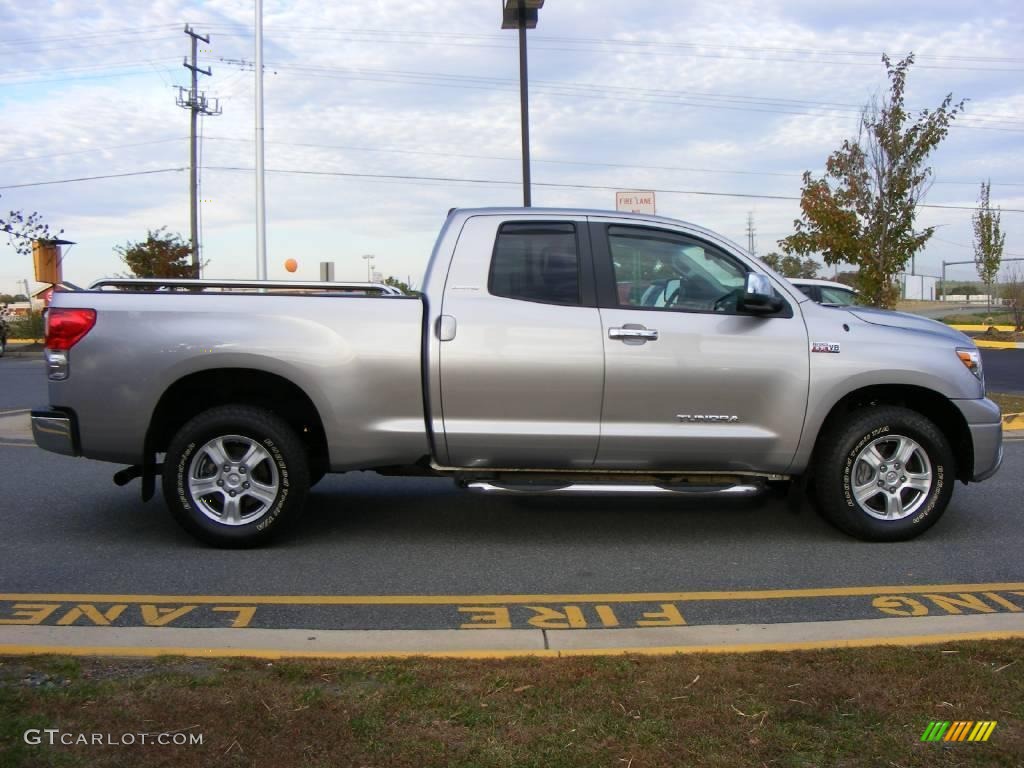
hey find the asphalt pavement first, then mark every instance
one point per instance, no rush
(74, 541)
(1004, 370)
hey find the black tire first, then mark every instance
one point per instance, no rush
(848, 485)
(271, 489)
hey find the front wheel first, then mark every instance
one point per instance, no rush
(235, 476)
(884, 474)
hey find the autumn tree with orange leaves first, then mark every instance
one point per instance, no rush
(862, 211)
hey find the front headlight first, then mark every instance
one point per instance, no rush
(971, 358)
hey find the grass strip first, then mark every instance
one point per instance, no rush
(993, 318)
(845, 707)
(1007, 403)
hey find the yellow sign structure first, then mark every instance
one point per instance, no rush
(46, 260)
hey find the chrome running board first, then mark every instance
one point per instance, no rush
(612, 489)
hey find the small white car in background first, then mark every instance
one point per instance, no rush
(826, 291)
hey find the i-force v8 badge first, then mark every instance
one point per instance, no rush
(825, 346)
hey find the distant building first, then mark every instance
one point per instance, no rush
(918, 287)
(17, 309)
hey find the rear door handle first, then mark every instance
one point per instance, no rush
(633, 333)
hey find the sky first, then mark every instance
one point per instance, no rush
(380, 116)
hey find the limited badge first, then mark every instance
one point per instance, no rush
(825, 346)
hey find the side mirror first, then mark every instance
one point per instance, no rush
(758, 296)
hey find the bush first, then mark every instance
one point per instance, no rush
(27, 327)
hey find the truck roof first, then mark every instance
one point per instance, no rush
(645, 217)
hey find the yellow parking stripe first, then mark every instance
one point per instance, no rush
(1013, 421)
(627, 597)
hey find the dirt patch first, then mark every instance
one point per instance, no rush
(1007, 403)
(995, 335)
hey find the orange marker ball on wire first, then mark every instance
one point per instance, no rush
(291, 265)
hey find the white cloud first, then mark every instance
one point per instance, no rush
(767, 88)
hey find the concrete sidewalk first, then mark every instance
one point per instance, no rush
(499, 643)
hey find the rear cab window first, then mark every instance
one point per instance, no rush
(536, 261)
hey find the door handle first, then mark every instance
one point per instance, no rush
(632, 332)
(446, 328)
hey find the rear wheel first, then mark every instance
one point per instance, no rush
(235, 476)
(884, 474)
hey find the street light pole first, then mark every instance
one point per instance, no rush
(524, 105)
(522, 15)
(261, 198)
(368, 258)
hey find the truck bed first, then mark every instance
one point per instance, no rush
(356, 357)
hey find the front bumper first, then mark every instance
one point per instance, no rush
(55, 431)
(986, 427)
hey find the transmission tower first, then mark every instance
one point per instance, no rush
(751, 232)
(197, 104)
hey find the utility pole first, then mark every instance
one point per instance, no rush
(197, 104)
(751, 245)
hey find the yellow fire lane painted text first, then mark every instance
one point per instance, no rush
(564, 617)
(950, 604)
(122, 614)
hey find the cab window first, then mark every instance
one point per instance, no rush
(536, 261)
(661, 270)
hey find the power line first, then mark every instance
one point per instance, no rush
(80, 36)
(587, 163)
(90, 150)
(615, 93)
(553, 185)
(650, 48)
(90, 178)
(90, 67)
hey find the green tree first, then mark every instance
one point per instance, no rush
(847, 278)
(989, 240)
(161, 254)
(790, 265)
(862, 211)
(1013, 292)
(22, 228)
(399, 284)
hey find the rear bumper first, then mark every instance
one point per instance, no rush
(55, 431)
(985, 425)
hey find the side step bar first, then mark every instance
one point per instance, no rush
(612, 489)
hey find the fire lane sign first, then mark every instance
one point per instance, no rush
(635, 202)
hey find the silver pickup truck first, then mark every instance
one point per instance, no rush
(550, 351)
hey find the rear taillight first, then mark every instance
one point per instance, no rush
(66, 326)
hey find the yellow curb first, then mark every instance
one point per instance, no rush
(1013, 421)
(982, 327)
(999, 344)
(670, 650)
